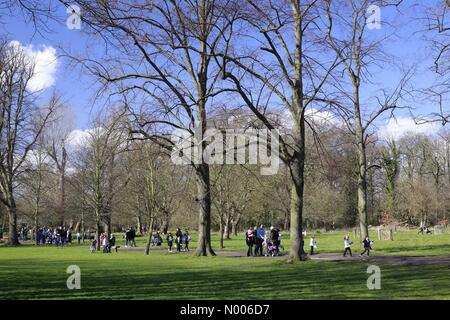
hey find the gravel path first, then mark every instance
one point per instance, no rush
(393, 260)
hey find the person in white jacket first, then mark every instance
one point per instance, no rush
(347, 246)
(312, 244)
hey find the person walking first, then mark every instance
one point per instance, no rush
(179, 239)
(250, 240)
(260, 236)
(127, 237)
(170, 241)
(79, 237)
(367, 246)
(187, 239)
(312, 244)
(93, 247)
(347, 246)
(132, 237)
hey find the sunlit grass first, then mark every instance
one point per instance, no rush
(30, 272)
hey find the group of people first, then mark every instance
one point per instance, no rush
(130, 236)
(180, 239)
(262, 243)
(57, 236)
(265, 244)
(367, 245)
(105, 243)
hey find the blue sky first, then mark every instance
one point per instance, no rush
(77, 89)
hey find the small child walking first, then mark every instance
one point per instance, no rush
(347, 246)
(367, 246)
(170, 241)
(187, 239)
(312, 244)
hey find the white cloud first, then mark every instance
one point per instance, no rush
(321, 117)
(78, 137)
(46, 64)
(397, 128)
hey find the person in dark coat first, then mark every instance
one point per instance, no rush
(367, 246)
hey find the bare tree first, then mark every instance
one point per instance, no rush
(347, 36)
(22, 124)
(163, 65)
(98, 163)
(56, 137)
(274, 68)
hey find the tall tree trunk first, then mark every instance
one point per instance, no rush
(98, 225)
(362, 190)
(296, 225)
(221, 231)
(82, 225)
(234, 224)
(13, 238)
(107, 223)
(150, 233)
(62, 197)
(297, 163)
(204, 222)
(139, 224)
(227, 228)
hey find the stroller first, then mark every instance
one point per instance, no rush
(273, 248)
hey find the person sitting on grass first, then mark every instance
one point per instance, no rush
(367, 246)
(312, 244)
(170, 241)
(347, 244)
(250, 240)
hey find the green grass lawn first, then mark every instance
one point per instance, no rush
(30, 272)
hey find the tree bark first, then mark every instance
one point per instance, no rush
(296, 224)
(204, 224)
(221, 232)
(13, 238)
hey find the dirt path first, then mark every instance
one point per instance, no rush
(393, 260)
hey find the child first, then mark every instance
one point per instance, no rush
(170, 241)
(313, 244)
(93, 245)
(187, 238)
(367, 246)
(347, 245)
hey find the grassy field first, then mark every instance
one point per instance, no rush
(30, 272)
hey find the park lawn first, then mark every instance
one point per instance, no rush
(406, 243)
(30, 272)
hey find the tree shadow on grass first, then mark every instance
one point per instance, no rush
(217, 279)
